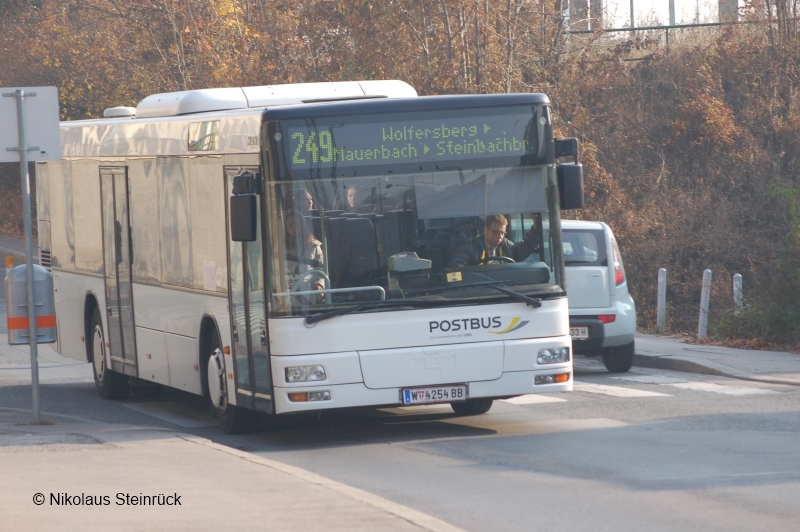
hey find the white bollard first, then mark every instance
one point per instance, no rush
(661, 308)
(704, 297)
(737, 293)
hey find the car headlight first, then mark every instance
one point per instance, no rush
(553, 355)
(305, 373)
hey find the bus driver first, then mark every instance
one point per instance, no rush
(303, 251)
(493, 243)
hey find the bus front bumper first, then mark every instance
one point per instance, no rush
(357, 394)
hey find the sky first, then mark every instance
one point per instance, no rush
(647, 11)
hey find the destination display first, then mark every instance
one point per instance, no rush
(398, 139)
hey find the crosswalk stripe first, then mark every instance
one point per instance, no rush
(650, 379)
(694, 385)
(533, 398)
(615, 391)
(717, 388)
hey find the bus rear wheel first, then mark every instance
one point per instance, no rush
(472, 407)
(109, 383)
(232, 419)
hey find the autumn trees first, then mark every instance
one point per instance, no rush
(684, 145)
(104, 51)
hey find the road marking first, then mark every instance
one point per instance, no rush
(651, 379)
(505, 425)
(529, 399)
(421, 409)
(533, 398)
(615, 391)
(692, 385)
(717, 388)
(173, 413)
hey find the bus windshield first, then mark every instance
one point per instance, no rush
(442, 238)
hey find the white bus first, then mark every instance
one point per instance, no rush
(290, 248)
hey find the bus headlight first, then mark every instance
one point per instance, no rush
(553, 355)
(305, 373)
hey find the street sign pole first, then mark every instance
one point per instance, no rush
(23, 150)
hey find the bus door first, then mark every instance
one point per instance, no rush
(248, 312)
(117, 269)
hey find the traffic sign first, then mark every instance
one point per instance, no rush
(41, 124)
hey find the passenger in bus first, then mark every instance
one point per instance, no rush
(352, 199)
(486, 248)
(303, 251)
(300, 200)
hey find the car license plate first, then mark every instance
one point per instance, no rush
(435, 394)
(579, 333)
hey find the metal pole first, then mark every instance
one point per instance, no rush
(737, 292)
(704, 297)
(633, 18)
(661, 308)
(19, 94)
(671, 19)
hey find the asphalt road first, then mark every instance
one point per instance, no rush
(649, 450)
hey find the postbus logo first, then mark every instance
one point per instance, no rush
(516, 323)
(494, 324)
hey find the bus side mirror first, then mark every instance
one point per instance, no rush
(570, 185)
(243, 211)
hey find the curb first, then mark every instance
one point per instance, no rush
(95, 430)
(677, 364)
(420, 519)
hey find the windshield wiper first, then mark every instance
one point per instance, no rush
(522, 298)
(311, 319)
(530, 301)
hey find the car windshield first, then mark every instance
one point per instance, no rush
(448, 238)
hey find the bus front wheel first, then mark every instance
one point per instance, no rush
(109, 383)
(232, 419)
(472, 407)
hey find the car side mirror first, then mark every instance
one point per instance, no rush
(570, 185)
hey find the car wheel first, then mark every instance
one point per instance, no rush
(109, 383)
(619, 359)
(472, 407)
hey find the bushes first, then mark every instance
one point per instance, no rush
(764, 320)
(681, 144)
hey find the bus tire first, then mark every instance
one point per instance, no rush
(109, 383)
(472, 407)
(232, 419)
(237, 420)
(619, 359)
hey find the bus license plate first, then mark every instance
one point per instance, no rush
(579, 333)
(435, 394)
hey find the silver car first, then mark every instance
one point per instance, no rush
(602, 314)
